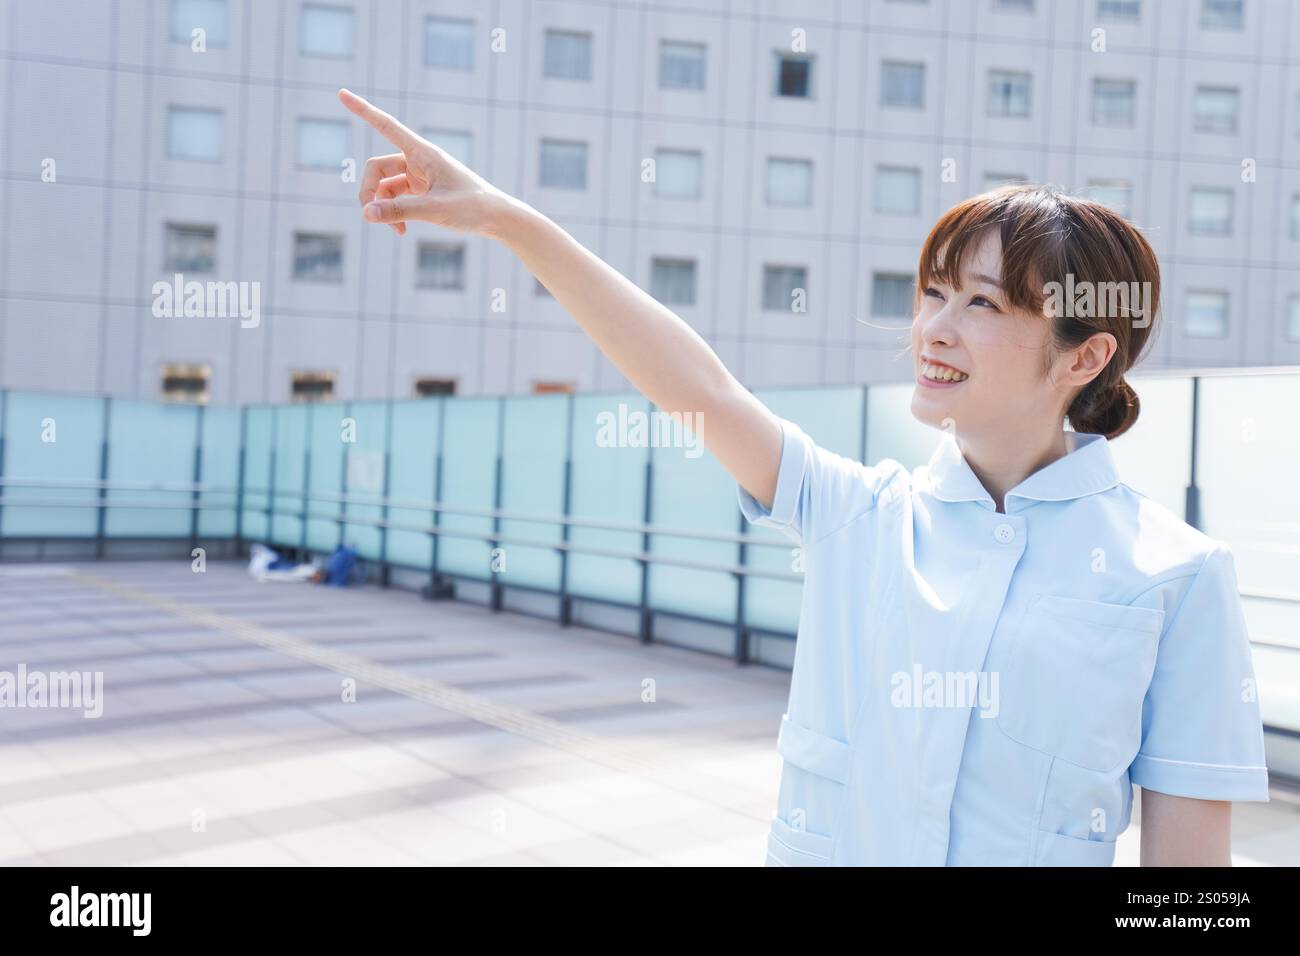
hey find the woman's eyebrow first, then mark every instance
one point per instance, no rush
(987, 279)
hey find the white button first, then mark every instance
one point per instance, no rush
(1004, 533)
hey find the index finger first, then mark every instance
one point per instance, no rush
(388, 127)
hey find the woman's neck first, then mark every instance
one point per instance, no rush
(1005, 459)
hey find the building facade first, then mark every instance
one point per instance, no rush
(768, 169)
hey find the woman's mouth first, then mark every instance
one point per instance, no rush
(939, 376)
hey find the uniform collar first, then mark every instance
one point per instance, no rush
(1087, 468)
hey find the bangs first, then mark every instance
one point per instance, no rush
(1032, 227)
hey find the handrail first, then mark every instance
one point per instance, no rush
(441, 530)
(1241, 371)
(95, 484)
(430, 529)
(1209, 371)
(409, 504)
(379, 501)
(11, 501)
(1262, 594)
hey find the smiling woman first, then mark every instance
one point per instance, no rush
(1015, 559)
(1039, 274)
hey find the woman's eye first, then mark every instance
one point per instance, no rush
(933, 293)
(980, 300)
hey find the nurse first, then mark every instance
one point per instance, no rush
(994, 647)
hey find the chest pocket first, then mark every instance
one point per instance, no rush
(1074, 678)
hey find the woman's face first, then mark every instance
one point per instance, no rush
(989, 360)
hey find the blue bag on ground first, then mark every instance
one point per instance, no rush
(341, 566)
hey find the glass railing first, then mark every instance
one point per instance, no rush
(530, 492)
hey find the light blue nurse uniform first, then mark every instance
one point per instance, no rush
(976, 688)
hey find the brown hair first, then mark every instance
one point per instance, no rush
(1050, 237)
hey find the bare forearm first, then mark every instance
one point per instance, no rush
(660, 354)
(1181, 831)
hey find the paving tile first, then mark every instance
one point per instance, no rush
(512, 766)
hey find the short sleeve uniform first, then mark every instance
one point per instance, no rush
(976, 688)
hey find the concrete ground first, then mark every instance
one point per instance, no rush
(251, 724)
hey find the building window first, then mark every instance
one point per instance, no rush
(194, 133)
(563, 164)
(449, 43)
(1009, 93)
(311, 386)
(898, 189)
(553, 388)
(794, 75)
(186, 382)
(1114, 102)
(681, 65)
(789, 182)
(1116, 194)
(1215, 109)
(893, 295)
(1210, 211)
(1014, 6)
(1222, 14)
(429, 387)
(1207, 315)
(322, 143)
(678, 173)
(781, 286)
(1129, 10)
(998, 180)
(317, 257)
(457, 143)
(902, 85)
(325, 31)
(672, 281)
(567, 55)
(1295, 216)
(189, 249)
(441, 265)
(206, 15)
(1293, 320)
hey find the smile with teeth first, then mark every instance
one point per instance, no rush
(942, 373)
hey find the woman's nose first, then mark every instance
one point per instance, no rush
(939, 326)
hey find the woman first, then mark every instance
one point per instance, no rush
(995, 646)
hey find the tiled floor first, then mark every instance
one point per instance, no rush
(248, 723)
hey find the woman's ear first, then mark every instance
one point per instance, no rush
(1091, 357)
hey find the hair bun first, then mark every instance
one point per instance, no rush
(1110, 411)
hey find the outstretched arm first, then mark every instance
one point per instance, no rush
(659, 353)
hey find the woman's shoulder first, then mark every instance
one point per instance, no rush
(1164, 543)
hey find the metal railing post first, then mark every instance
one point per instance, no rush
(498, 596)
(566, 602)
(270, 483)
(646, 631)
(4, 408)
(341, 520)
(198, 477)
(1192, 505)
(742, 632)
(384, 572)
(435, 579)
(240, 480)
(102, 516)
(306, 478)
(862, 436)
